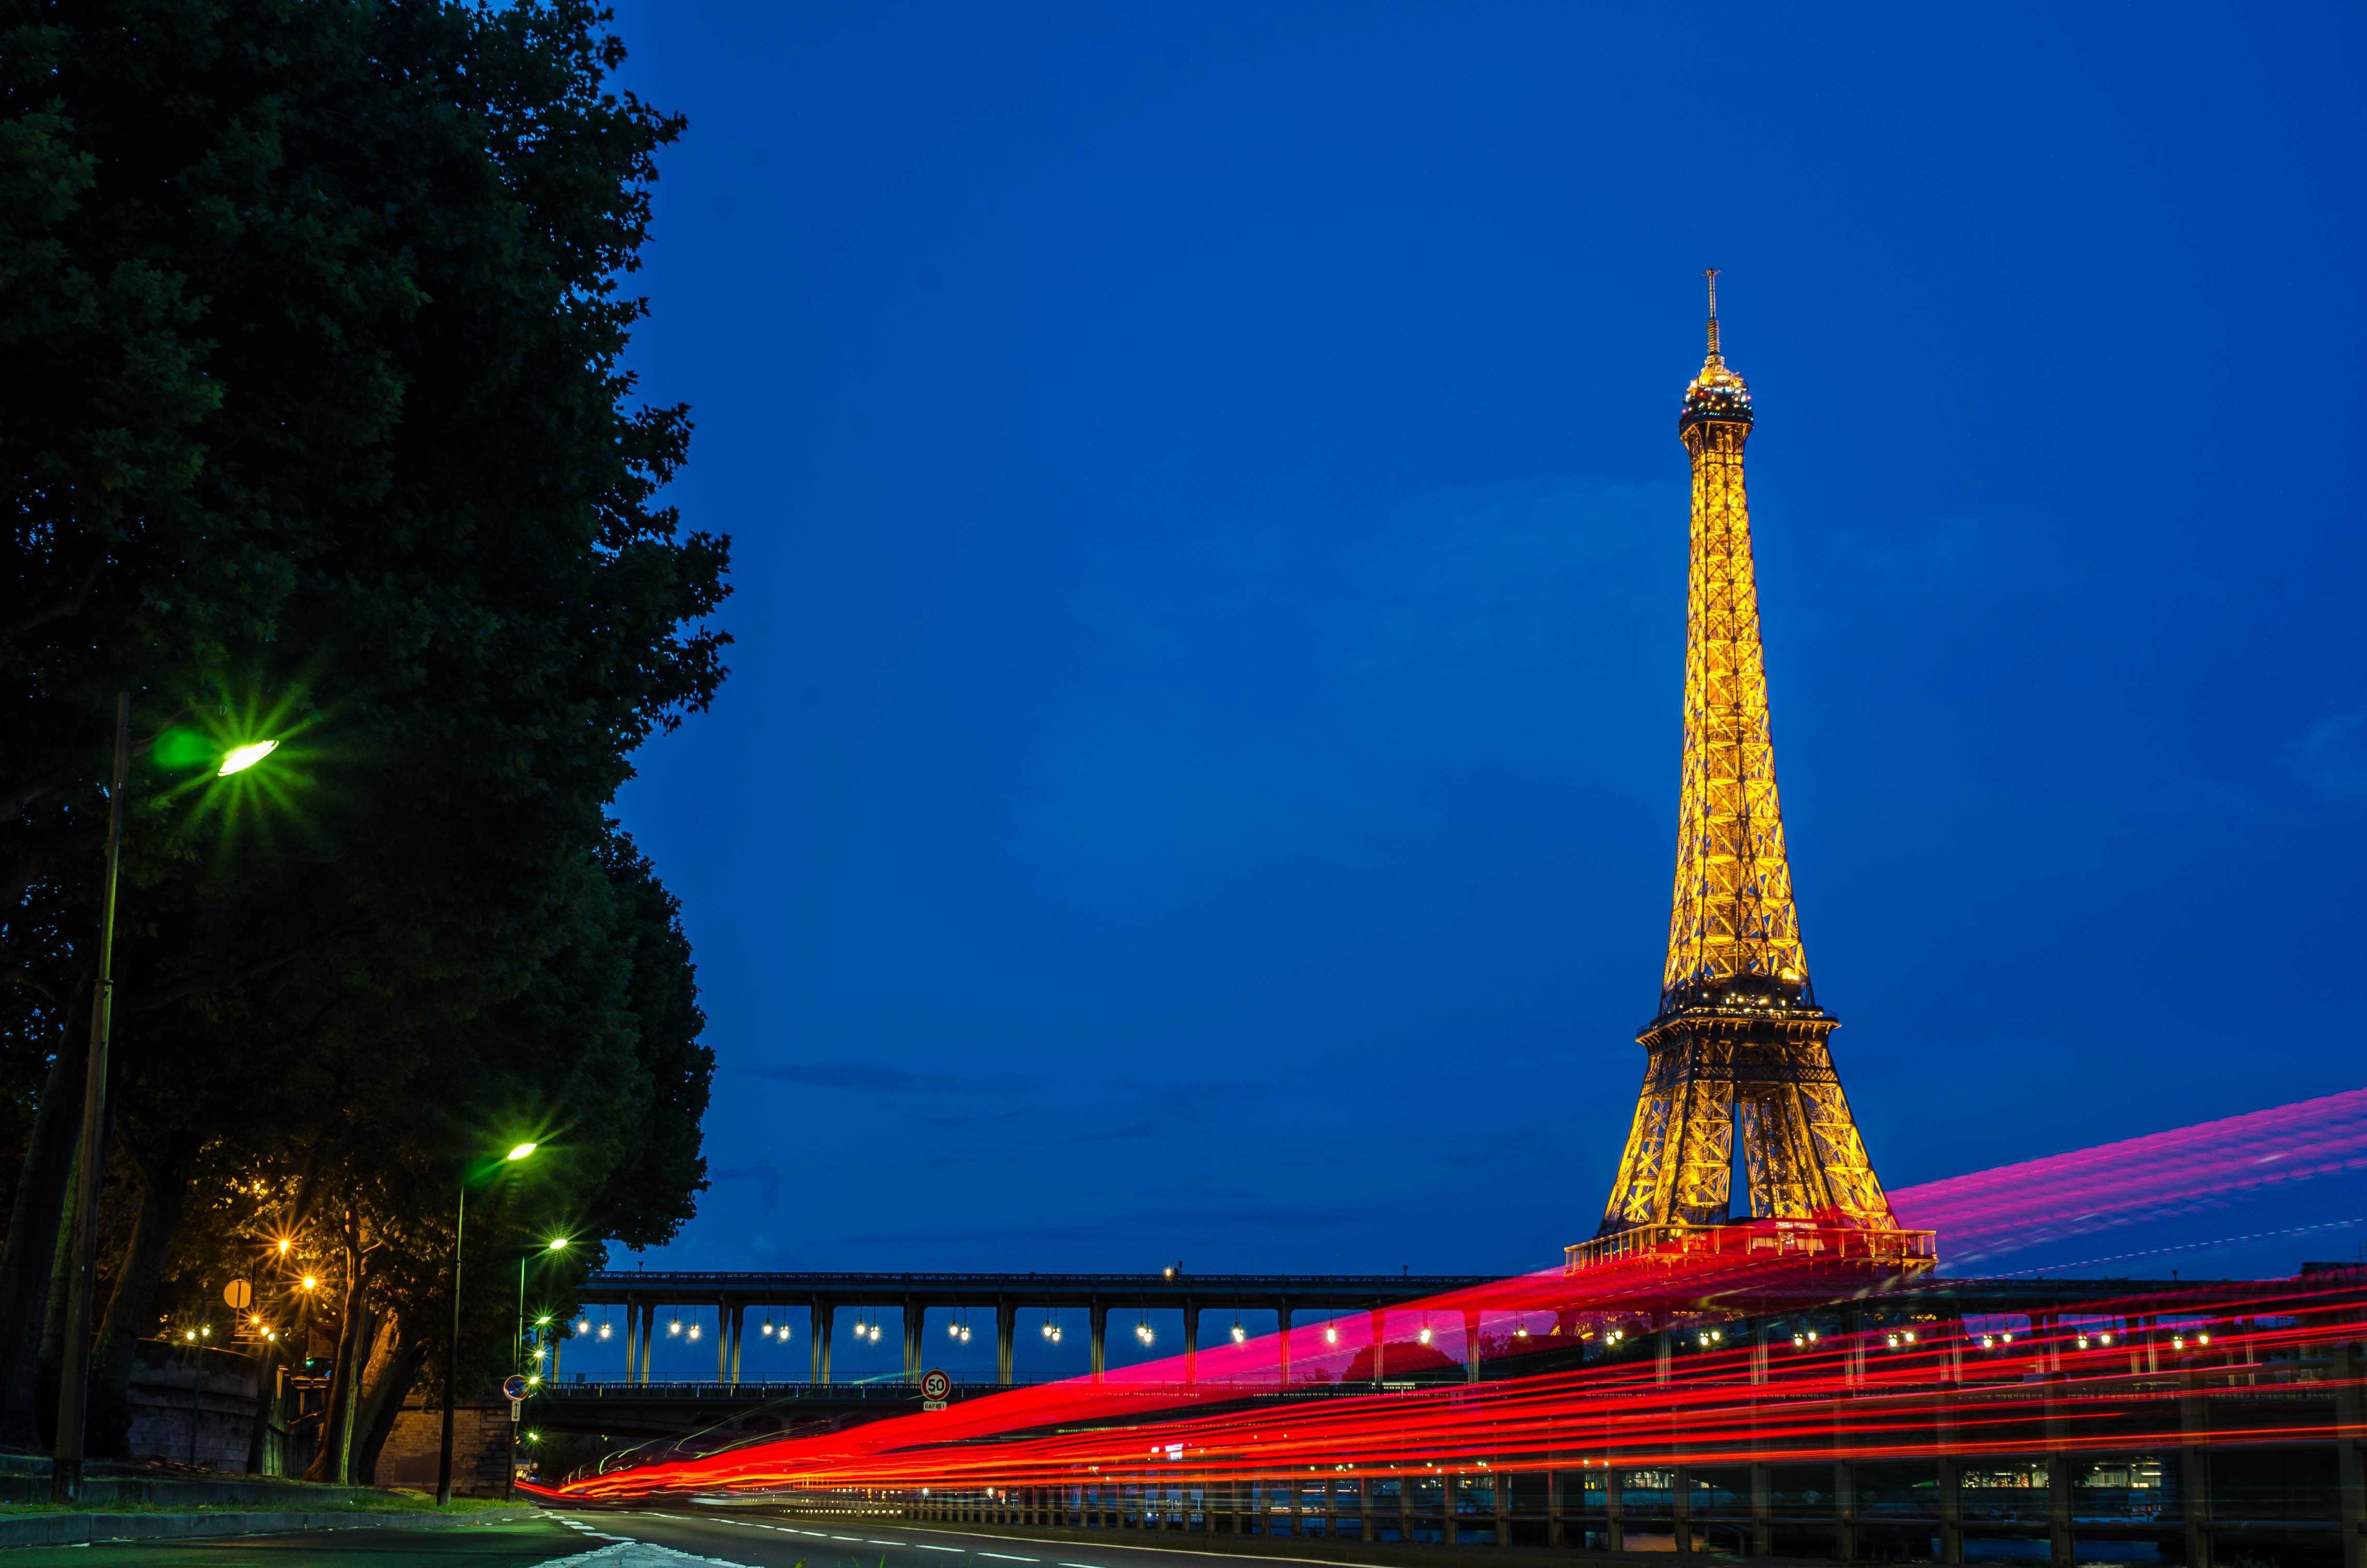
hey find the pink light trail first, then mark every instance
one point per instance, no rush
(2159, 1176)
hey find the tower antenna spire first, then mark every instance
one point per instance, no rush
(1711, 273)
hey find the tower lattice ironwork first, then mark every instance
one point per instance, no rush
(1739, 1046)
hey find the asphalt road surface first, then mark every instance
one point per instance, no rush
(758, 1538)
(752, 1536)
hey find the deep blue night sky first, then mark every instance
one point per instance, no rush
(1199, 776)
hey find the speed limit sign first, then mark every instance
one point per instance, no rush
(936, 1385)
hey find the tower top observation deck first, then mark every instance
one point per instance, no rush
(1717, 392)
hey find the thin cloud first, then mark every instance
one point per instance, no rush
(877, 1079)
(767, 1176)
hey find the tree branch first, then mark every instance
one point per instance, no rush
(64, 609)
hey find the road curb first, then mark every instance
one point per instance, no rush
(76, 1530)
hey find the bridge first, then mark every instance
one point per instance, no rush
(643, 1295)
(726, 1410)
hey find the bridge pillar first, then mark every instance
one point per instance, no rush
(1097, 1337)
(1380, 1346)
(632, 1320)
(2350, 1463)
(1844, 1511)
(649, 1318)
(739, 1326)
(916, 1318)
(1762, 1513)
(1282, 1340)
(1681, 1507)
(1450, 1499)
(723, 1339)
(825, 1317)
(1471, 1345)
(1006, 1322)
(1191, 1341)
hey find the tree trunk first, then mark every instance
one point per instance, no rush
(163, 1189)
(31, 1258)
(267, 1402)
(53, 1318)
(331, 1459)
(393, 1372)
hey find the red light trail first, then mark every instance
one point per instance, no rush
(2115, 1373)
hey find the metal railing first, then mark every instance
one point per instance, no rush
(1756, 1239)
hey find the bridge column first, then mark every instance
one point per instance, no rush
(723, 1357)
(648, 1318)
(1470, 1345)
(916, 1318)
(1681, 1507)
(1282, 1339)
(1006, 1321)
(1380, 1344)
(739, 1326)
(1190, 1342)
(1097, 1337)
(632, 1346)
(1951, 1499)
(825, 1317)
(1450, 1488)
(2350, 1463)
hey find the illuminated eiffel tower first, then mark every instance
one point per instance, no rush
(1738, 1047)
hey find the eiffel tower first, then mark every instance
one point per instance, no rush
(1738, 1047)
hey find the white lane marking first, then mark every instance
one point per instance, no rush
(857, 1539)
(1008, 1557)
(1173, 1550)
(925, 1547)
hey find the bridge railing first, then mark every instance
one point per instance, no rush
(894, 1392)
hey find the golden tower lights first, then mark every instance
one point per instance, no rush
(1738, 1045)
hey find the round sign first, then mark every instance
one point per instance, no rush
(936, 1385)
(239, 1295)
(515, 1387)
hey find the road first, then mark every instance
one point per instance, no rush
(752, 1536)
(759, 1538)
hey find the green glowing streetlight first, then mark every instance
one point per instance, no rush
(73, 1390)
(240, 758)
(452, 1346)
(556, 1244)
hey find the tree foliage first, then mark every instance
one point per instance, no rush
(316, 427)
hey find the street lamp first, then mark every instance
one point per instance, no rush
(74, 1377)
(556, 1243)
(452, 1345)
(241, 759)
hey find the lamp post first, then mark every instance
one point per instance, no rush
(74, 1372)
(452, 1345)
(556, 1243)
